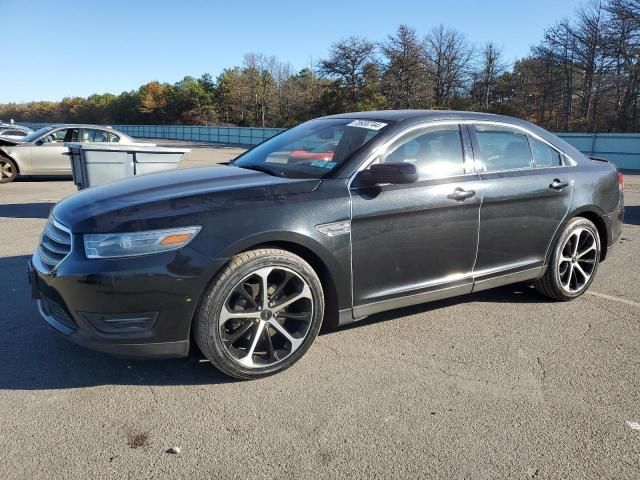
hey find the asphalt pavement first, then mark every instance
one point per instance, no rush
(499, 384)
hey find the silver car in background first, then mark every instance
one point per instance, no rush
(13, 132)
(43, 152)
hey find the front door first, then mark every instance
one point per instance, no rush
(417, 242)
(527, 194)
(49, 155)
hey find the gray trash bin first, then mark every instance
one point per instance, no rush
(97, 163)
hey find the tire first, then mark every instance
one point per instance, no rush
(574, 261)
(275, 332)
(8, 170)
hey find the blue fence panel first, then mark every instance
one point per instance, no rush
(623, 149)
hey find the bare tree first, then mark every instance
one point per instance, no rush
(624, 39)
(405, 79)
(592, 58)
(558, 50)
(492, 66)
(449, 57)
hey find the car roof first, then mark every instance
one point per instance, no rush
(79, 125)
(422, 115)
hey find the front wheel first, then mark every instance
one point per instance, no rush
(8, 170)
(574, 261)
(261, 314)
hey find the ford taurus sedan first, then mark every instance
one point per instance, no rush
(249, 260)
(43, 152)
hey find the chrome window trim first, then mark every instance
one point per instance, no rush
(527, 132)
(436, 123)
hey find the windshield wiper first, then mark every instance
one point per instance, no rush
(264, 169)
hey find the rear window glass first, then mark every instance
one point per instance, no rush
(503, 148)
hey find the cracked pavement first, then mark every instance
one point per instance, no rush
(499, 384)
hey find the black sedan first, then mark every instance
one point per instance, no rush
(251, 259)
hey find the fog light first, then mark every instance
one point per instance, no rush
(121, 322)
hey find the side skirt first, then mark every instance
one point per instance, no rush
(350, 315)
(506, 279)
(362, 311)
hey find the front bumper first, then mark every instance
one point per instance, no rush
(138, 307)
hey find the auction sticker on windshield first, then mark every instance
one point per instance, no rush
(368, 124)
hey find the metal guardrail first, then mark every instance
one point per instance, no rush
(623, 149)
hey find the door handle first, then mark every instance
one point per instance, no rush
(558, 185)
(459, 194)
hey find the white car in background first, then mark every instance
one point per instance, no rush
(14, 132)
(43, 152)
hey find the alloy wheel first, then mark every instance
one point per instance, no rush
(577, 260)
(6, 170)
(266, 317)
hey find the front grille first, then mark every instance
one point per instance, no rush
(55, 244)
(58, 312)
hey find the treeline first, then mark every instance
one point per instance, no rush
(584, 75)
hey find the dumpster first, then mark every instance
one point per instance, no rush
(97, 163)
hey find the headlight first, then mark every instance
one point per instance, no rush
(113, 245)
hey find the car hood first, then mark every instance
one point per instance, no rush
(137, 203)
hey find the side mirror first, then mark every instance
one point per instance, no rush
(40, 142)
(394, 173)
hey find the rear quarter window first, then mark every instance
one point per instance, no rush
(543, 154)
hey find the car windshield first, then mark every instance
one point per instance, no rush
(33, 135)
(313, 149)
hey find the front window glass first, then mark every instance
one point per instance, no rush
(37, 134)
(436, 152)
(312, 149)
(63, 135)
(502, 148)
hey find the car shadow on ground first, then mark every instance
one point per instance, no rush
(632, 215)
(34, 357)
(26, 210)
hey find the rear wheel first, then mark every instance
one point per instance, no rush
(574, 261)
(8, 170)
(261, 314)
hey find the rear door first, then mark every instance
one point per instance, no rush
(49, 155)
(527, 193)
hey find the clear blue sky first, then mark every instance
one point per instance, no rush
(76, 48)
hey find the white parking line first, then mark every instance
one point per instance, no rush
(614, 299)
(633, 425)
